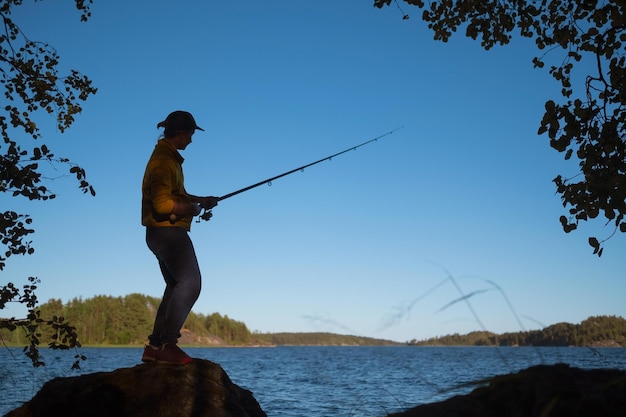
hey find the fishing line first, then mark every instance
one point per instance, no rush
(206, 215)
(404, 15)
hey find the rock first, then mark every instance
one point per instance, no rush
(544, 390)
(201, 388)
(187, 337)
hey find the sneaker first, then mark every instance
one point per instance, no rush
(150, 353)
(172, 354)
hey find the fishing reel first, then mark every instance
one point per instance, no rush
(205, 215)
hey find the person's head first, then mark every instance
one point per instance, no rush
(179, 126)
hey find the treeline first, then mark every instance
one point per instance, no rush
(594, 331)
(321, 339)
(106, 320)
(128, 320)
(110, 321)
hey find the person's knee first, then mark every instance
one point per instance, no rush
(196, 290)
(193, 287)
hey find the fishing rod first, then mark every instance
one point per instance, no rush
(206, 215)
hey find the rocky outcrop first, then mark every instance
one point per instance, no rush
(189, 338)
(539, 391)
(199, 389)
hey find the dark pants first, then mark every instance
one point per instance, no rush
(179, 266)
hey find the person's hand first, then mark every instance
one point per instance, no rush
(197, 208)
(208, 202)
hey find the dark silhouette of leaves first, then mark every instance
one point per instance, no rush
(589, 123)
(31, 84)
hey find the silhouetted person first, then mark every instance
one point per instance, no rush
(166, 211)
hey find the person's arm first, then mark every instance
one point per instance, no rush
(185, 209)
(164, 202)
(204, 202)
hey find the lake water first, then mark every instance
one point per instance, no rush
(322, 381)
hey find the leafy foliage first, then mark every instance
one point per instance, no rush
(30, 83)
(590, 125)
(233, 332)
(61, 334)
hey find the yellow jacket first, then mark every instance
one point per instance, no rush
(163, 185)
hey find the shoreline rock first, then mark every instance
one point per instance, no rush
(199, 389)
(543, 390)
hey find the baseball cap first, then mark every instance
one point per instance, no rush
(179, 120)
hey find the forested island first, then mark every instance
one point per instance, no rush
(598, 331)
(126, 321)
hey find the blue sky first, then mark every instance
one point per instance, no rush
(363, 244)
